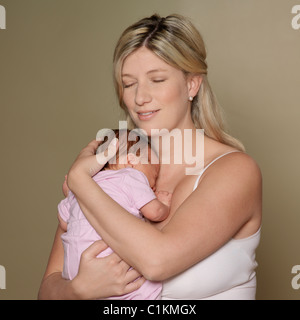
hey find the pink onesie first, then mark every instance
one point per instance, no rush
(130, 188)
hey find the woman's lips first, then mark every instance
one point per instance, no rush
(147, 115)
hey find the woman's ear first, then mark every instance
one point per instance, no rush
(194, 84)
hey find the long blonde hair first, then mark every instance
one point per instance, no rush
(176, 41)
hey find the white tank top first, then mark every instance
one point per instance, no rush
(227, 274)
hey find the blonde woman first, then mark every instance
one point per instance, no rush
(206, 247)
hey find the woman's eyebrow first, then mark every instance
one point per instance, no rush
(127, 75)
(157, 70)
(149, 72)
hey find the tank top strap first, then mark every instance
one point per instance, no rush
(221, 156)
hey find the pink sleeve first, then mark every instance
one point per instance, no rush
(137, 187)
(64, 208)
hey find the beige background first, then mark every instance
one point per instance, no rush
(56, 92)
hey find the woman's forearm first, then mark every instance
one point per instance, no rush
(54, 287)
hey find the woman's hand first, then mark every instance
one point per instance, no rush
(89, 163)
(108, 276)
(97, 278)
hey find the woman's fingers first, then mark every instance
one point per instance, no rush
(87, 162)
(94, 249)
(91, 163)
(104, 277)
(132, 275)
(125, 267)
(136, 281)
(133, 279)
(108, 153)
(90, 149)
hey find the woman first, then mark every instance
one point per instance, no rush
(206, 247)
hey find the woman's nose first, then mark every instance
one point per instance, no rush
(142, 95)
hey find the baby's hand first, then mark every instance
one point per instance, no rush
(165, 197)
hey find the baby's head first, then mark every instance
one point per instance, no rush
(134, 152)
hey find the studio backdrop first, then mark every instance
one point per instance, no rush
(56, 92)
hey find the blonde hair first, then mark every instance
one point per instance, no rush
(176, 41)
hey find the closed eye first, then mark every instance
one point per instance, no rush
(128, 85)
(159, 80)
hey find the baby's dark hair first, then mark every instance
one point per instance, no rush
(130, 141)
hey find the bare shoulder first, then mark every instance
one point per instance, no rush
(236, 175)
(236, 165)
(233, 183)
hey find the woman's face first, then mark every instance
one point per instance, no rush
(155, 93)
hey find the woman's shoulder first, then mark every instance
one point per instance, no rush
(235, 162)
(223, 164)
(234, 182)
(228, 160)
(232, 165)
(233, 177)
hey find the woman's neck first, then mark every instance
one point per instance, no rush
(181, 153)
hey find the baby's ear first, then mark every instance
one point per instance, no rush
(132, 159)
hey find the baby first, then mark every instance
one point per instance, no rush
(130, 181)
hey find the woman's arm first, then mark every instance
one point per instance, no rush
(226, 199)
(97, 277)
(53, 286)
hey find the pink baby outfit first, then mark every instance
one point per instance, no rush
(130, 188)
